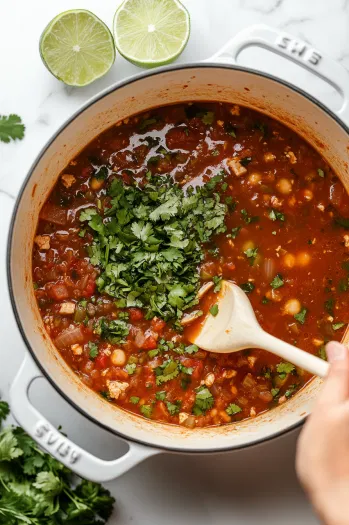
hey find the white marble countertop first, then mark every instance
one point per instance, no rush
(250, 487)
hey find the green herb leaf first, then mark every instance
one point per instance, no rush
(275, 391)
(173, 408)
(284, 368)
(321, 173)
(217, 279)
(134, 400)
(276, 215)
(301, 317)
(147, 122)
(131, 368)
(277, 282)
(208, 118)
(233, 409)
(11, 128)
(245, 161)
(214, 310)
(203, 401)
(251, 254)
(191, 349)
(146, 410)
(167, 371)
(247, 287)
(235, 232)
(160, 396)
(93, 350)
(248, 218)
(338, 326)
(322, 352)
(329, 306)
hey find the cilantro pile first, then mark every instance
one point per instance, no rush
(11, 128)
(148, 242)
(35, 489)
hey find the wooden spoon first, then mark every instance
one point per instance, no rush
(235, 328)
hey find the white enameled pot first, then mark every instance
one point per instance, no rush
(218, 79)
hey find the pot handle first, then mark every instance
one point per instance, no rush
(72, 456)
(293, 49)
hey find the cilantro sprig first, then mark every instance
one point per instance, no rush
(11, 128)
(148, 243)
(36, 489)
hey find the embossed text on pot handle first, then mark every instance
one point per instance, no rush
(293, 49)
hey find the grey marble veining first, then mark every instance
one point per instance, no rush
(252, 487)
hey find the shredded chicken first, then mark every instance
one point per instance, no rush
(68, 180)
(236, 167)
(116, 388)
(43, 242)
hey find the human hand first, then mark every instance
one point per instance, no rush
(322, 461)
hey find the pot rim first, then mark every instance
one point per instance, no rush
(67, 122)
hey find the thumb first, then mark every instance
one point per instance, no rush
(336, 387)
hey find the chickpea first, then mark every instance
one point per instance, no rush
(292, 307)
(284, 186)
(303, 259)
(308, 195)
(254, 179)
(248, 245)
(289, 260)
(96, 184)
(118, 357)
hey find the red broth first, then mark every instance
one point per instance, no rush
(285, 244)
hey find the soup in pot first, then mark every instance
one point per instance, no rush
(138, 233)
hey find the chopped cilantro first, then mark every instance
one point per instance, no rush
(251, 254)
(247, 287)
(186, 370)
(232, 205)
(134, 400)
(284, 368)
(208, 117)
(146, 410)
(276, 215)
(263, 128)
(301, 317)
(342, 221)
(82, 232)
(167, 371)
(321, 173)
(345, 266)
(245, 161)
(191, 349)
(114, 331)
(149, 243)
(93, 350)
(153, 353)
(217, 280)
(291, 390)
(274, 391)
(214, 310)
(248, 218)
(131, 368)
(233, 409)
(265, 300)
(215, 152)
(230, 130)
(235, 232)
(322, 352)
(104, 394)
(173, 408)
(147, 122)
(203, 400)
(160, 396)
(343, 285)
(338, 326)
(277, 282)
(329, 306)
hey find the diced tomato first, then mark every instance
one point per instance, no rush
(120, 374)
(101, 361)
(53, 213)
(136, 314)
(158, 324)
(197, 365)
(90, 288)
(150, 343)
(58, 292)
(126, 178)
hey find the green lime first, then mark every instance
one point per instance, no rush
(77, 47)
(151, 33)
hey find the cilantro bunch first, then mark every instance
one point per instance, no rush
(35, 489)
(148, 243)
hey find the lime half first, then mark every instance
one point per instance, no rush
(151, 33)
(77, 47)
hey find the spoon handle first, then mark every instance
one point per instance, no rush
(292, 354)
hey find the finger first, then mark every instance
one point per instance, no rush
(336, 387)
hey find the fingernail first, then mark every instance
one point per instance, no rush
(336, 351)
